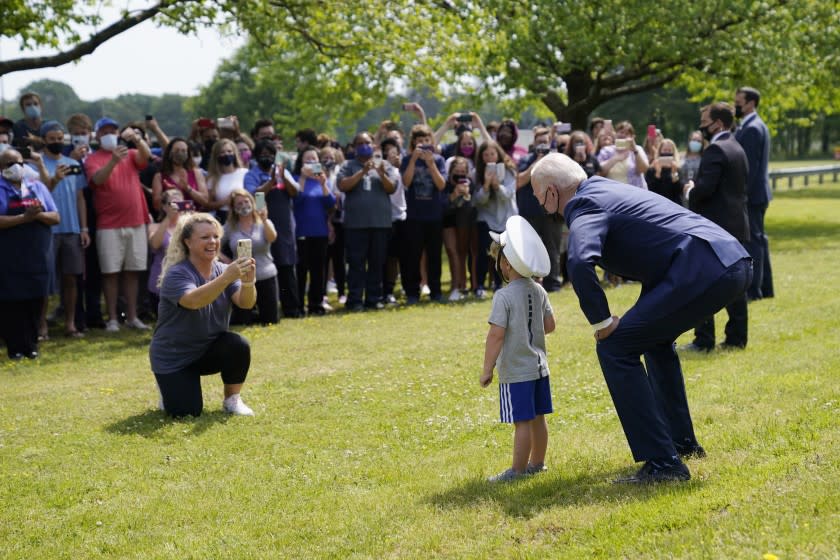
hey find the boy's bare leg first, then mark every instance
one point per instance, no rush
(539, 439)
(521, 445)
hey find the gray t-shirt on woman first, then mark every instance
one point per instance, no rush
(182, 335)
(520, 308)
(260, 249)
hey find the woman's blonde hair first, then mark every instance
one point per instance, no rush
(675, 168)
(213, 171)
(178, 250)
(233, 218)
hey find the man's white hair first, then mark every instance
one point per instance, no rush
(559, 170)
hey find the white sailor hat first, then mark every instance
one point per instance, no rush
(523, 248)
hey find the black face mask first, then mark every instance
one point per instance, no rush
(458, 178)
(739, 111)
(227, 159)
(265, 162)
(707, 134)
(54, 147)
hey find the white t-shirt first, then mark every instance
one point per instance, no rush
(227, 183)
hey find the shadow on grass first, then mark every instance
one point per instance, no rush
(527, 497)
(150, 423)
(813, 232)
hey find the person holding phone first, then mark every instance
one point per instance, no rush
(71, 236)
(460, 237)
(312, 207)
(160, 233)
(663, 176)
(495, 202)
(624, 161)
(192, 337)
(580, 149)
(367, 182)
(179, 171)
(271, 177)
(27, 212)
(248, 222)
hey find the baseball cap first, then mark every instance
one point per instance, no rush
(6, 121)
(105, 121)
(49, 126)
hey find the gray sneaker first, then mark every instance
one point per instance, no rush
(535, 469)
(507, 476)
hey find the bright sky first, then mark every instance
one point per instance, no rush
(146, 59)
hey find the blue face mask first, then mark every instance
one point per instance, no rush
(695, 146)
(32, 111)
(364, 150)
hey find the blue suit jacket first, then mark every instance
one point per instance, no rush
(755, 139)
(638, 234)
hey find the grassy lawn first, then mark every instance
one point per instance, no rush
(372, 439)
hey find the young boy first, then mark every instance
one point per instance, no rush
(520, 319)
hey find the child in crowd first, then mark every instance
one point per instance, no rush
(519, 320)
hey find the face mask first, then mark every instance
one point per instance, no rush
(265, 162)
(225, 160)
(707, 134)
(197, 160)
(364, 150)
(80, 139)
(14, 173)
(246, 156)
(468, 151)
(108, 142)
(4, 147)
(695, 146)
(458, 178)
(32, 111)
(179, 158)
(244, 210)
(663, 154)
(54, 147)
(329, 163)
(739, 111)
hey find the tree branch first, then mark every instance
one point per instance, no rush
(85, 48)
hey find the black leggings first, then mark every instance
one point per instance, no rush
(229, 354)
(267, 302)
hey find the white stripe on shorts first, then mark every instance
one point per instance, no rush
(506, 404)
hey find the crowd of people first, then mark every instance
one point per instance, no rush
(90, 209)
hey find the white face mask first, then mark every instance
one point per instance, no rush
(14, 173)
(4, 147)
(197, 160)
(108, 142)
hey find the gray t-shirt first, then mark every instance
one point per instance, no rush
(367, 205)
(182, 335)
(260, 249)
(520, 308)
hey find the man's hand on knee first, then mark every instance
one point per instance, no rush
(601, 334)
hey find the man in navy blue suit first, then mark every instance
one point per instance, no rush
(689, 268)
(719, 194)
(754, 137)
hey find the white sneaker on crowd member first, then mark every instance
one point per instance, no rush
(112, 326)
(342, 299)
(455, 295)
(325, 304)
(331, 287)
(424, 290)
(234, 405)
(480, 293)
(137, 324)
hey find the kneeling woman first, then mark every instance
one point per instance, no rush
(192, 337)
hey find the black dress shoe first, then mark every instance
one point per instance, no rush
(691, 451)
(16, 356)
(659, 470)
(694, 347)
(731, 346)
(31, 355)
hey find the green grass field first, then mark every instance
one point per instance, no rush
(373, 439)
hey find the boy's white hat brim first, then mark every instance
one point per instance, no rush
(523, 248)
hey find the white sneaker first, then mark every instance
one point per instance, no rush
(455, 295)
(342, 300)
(424, 290)
(112, 326)
(137, 324)
(325, 305)
(234, 405)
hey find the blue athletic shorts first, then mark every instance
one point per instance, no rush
(523, 401)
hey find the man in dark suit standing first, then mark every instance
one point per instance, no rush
(719, 194)
(754, 137)
(689, 268)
